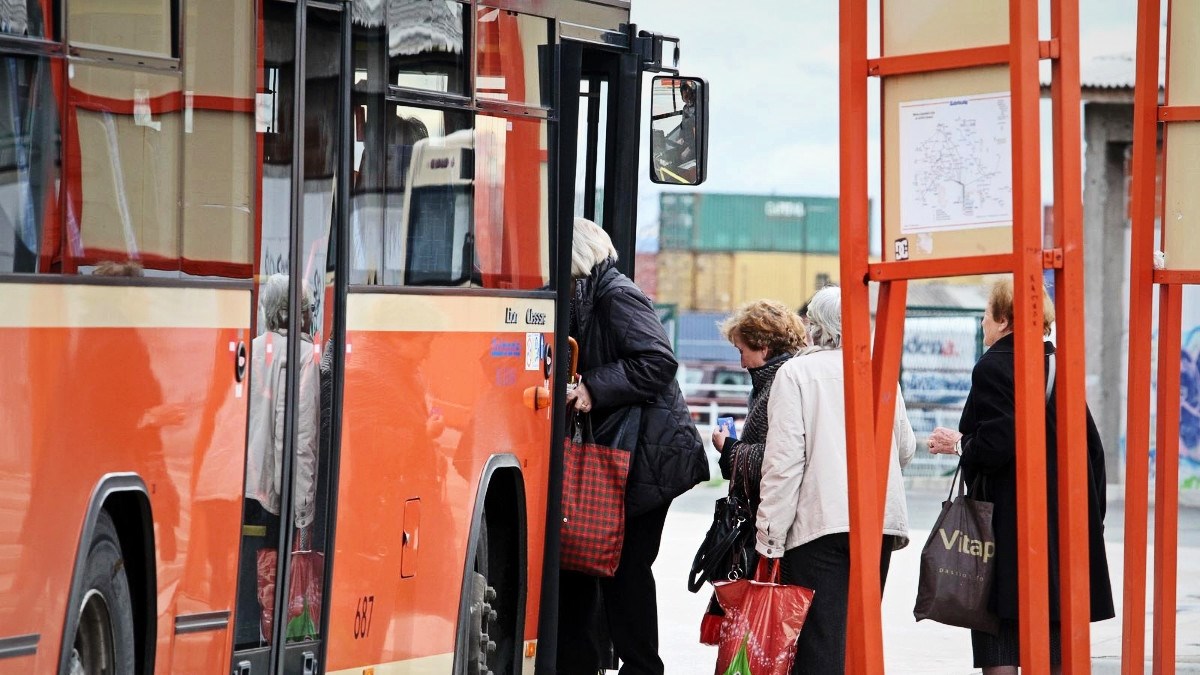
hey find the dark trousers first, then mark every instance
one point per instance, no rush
(823, 565)
(625, 604)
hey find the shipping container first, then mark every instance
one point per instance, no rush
(674, 283)
(790, 278)
(725, 222)
(645, 273)
(713, 290)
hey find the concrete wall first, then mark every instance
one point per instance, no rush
(1108, 134)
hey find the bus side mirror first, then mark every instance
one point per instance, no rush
(678, 130)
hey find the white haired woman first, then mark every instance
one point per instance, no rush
(264, 452)
(625, 360)
(804, 514)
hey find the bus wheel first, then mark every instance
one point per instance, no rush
(481, 650)
(104, 640)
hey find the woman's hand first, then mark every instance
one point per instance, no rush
(944, 441)
(579, 398)
(718, 437)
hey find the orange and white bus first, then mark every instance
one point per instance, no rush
(196, 195)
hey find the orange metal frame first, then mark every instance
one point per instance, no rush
(1147, 114)
(870, 401)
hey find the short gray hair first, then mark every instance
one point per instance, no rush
(825, 318)
(274, 300)
(590, 246)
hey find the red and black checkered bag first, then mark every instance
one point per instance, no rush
(593, 497)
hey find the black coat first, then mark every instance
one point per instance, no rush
(989, 451)
(625, 359)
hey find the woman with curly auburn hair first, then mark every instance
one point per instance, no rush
(766, 334)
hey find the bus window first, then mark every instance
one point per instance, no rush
(30, 164)
(24, 18)
(219, 142)
(367, 101)
(428, 221)
(131, 25)
(511, 203)
(123, 185)
(425, 45)
(509, 67)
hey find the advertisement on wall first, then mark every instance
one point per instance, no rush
(1189, 401)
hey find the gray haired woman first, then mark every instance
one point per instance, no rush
(804, 514)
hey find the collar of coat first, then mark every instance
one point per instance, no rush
(587, 289)
(1005, 345)
(763, 375)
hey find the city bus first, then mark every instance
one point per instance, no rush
(283, 284)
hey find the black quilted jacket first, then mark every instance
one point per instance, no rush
(625, 359)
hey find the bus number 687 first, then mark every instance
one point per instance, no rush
(362, 616)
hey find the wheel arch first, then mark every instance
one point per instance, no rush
(501, 476)
(125, 497)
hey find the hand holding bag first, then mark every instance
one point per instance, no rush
(593, 497)
(763, 618)
(958, 565)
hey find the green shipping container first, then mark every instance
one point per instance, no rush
(723, 222)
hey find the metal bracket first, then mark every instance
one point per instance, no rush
(1052, 259)
(649, 47)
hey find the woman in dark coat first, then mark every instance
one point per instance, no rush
(625, 360)
(987, 442)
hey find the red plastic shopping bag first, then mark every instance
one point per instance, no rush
(764, 615)
(305, 594)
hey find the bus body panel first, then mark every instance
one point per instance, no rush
(434, 386)
(106, 379)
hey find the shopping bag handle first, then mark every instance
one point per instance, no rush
(762, 573)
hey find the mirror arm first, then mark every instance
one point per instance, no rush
(649, 46)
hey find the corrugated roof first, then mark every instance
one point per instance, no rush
(1110, 71)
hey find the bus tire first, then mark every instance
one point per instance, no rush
(104, 638)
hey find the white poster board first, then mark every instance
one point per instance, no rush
(956, 163)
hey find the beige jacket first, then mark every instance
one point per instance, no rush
(804, 479)
(264, 460)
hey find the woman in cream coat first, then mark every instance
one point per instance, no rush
(804, 515)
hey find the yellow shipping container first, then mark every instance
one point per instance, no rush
(713, 290)
(790, 278)
(675, 283)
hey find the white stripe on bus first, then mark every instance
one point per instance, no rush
(88, 306)
(428, 665)
(448, 313)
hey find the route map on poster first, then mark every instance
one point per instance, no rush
(956, 163)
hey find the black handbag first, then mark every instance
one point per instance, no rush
(727, 552)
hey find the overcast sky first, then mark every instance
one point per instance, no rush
(772, 66)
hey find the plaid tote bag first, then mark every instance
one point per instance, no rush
(593, 499)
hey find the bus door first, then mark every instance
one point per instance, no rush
(606, 143)
(295, 357)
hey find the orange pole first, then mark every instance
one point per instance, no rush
(889, 340)
(1032, 588)
(1141, 308)
(864, 644)
(1074, 564)
(1166, 477)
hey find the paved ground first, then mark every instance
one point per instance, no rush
(910, 647)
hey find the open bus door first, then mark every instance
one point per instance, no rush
(294, 358)
(600, 84)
